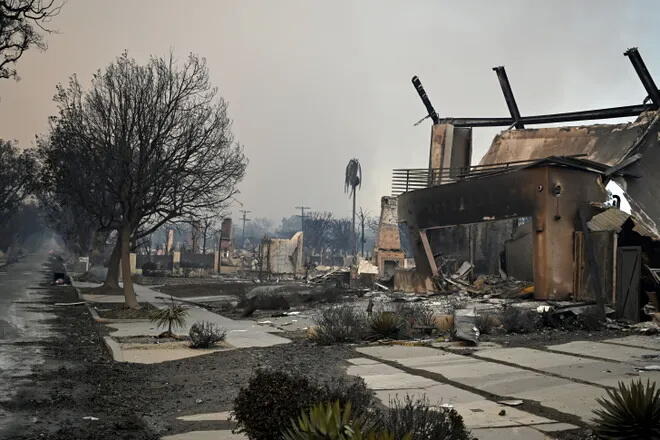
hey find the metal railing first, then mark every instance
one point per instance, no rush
(411, 179)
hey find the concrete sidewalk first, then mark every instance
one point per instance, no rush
(240, 334)
(558, 390)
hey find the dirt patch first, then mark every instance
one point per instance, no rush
(120, 311)
(548, 336)
(205, 289)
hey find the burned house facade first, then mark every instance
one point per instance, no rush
(537, 204)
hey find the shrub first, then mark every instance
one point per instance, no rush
(174, 316)
(629, 412)
(340, 324)
(270, 401)
(423, 422)
(418, 316)
(332, 421)
(518, 320)
(387, 325)
(205, 334)
(351, 391)
(272, 398)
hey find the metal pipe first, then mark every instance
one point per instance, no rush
(508, 96)
(644, 75)
(425, 99)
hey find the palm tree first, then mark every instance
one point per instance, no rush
(353, 180)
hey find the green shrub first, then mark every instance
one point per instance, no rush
(270, 401)
(422, 421)
(273, 398)
(387, 324)
(333, 421)
(519, 320)
(629, 412)
(205, 334)
(340, 324)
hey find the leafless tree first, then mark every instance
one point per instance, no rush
(18, 172)
(341, 236)
(317, 230)
(156, 138)
(21, 25)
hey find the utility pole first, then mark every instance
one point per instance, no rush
(362, 241)
(302, 216)
(245, 219)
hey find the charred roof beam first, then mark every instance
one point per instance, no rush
(644, 75)
(508, 97)
(425, 100)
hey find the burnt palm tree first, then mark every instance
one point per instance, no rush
(352, 182)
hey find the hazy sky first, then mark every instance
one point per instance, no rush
(312, 84)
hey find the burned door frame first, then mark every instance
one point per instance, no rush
(628, 276)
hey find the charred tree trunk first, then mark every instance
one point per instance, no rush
(129, 292)
(112, 278)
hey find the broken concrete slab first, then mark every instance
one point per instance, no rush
(646, 342)
(570, 366)
(629, 355)
(206, 435)
(397, 381)
(437, 394)
(510, 433)
(216, 416)
(501, 380)
(156, 353)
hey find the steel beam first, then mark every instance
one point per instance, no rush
(425, 99)
(508, 96)
(644, 75)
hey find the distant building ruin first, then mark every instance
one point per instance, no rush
(388, 255)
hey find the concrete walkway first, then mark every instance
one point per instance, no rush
(240, 334)
(558, 386)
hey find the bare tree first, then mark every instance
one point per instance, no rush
(157, 138)
(341, 236)
(317, 230)
(21, 24)
(18, 172)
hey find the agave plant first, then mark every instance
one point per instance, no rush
(387, 324)
(629, 412)
(172, 316)
(329, 421)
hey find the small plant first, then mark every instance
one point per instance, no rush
(340, 324)
(629, 412)
(417, 418)
(333, 421)
(205, 334)
(172, 316)
(518, 320)
(387, 324)
(418, 317)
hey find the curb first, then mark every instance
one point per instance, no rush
(114, 348)
(96, 316)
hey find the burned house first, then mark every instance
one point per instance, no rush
(537, 205)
